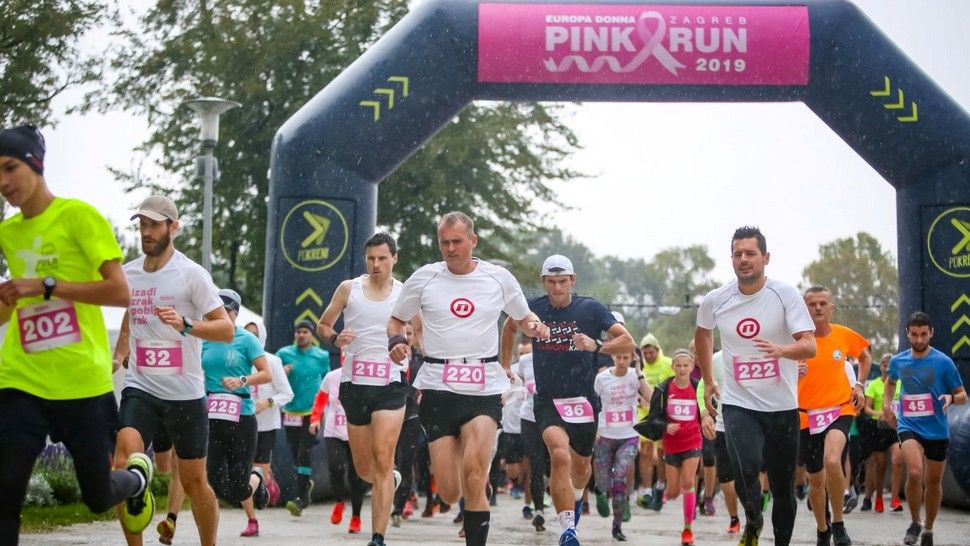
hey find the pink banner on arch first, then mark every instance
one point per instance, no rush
(643, 44)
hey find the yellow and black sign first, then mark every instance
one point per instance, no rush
(314, 235)
(948, 242)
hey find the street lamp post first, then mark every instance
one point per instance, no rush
(209, 109)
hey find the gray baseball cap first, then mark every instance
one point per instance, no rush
(158, 208)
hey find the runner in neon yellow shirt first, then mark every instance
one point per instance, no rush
(55, 366)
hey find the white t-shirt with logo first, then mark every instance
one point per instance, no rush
(460, 315)
(523, 368)
(775, 313)
(618, 396)
(186, 286)
(368, 319)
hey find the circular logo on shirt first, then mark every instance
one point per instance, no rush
(837, 355)
(462, 307)
(748, 328)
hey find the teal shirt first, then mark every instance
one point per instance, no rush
(309, 367)
(233, 359)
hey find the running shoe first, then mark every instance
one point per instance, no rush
(801, 491)
(376, 542)
(461, 533)
(627, 514)
(539, 522)
(295, 508)
(912, 533)
(866, 505)
(879, 505)
(603, 505)
(577, 511)
(926, 539)
(526, 512)
(274, 492)
(708, 509)
(337, 514)
(687, 538)
(396, 519)
(765, 499)
(644, 501)
(839, 536)
(569, 537)
(515, 492)
(443, 507)
(428, 510)
(896, 505)
(735, 526)
(354, 526)
(261, 493)
(408, 509)
(851, 501)
(166, 530)
(585, 508)
(459, 518)
(823, 538)
(139, 509)
(618, 534)
(750, 535)
(251, 530)
(657, 502)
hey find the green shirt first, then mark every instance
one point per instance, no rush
(876, 389)
(309, 367)
(69, 241)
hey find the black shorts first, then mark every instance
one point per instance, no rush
(185, 421)
(707, 453)
(867, 433)
(582, 436)
(359, 401)
(265, 440)
(443, 413)
(811, 447)
(510, 447)
(934, 450)
(883, 439)
(677, 459)
(725, 471)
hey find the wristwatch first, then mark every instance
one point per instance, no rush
(187, 325)
(270, 402)
(599, 345)
(244, 379)
(50, 283)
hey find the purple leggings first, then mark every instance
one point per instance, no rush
(612, 460)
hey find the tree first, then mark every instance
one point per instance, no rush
(39, 56)
(864, 283)
(273, 57)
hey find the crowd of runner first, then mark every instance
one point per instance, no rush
(432, 396)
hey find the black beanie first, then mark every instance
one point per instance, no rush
(26, 144)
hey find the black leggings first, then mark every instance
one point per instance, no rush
(232, 447)
(341, 464)
(86, 426)
(538, 455)
(768, 439)
(408, 444)
(301, 444)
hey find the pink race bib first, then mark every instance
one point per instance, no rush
(464, 376)
(918, 405)
(574, 410)
(340, 419)
(291, 420)
(615, 418)
(530, 387)
(754, 370)
(158, 357)
(820, 419)
(225, 407)
(363, 372)
(682, 410)
(48, 325)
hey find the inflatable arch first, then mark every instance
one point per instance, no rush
(329, 157)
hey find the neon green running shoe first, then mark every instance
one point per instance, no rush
(603, 505)
(138, 510)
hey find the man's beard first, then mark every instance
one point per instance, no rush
(158, 247)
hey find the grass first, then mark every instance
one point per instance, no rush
(40, 519)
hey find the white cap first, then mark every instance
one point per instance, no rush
(618, 317)
(158, 208)
(556, 265)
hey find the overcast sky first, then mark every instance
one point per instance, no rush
(664, 174)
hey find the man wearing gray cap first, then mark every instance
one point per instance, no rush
(56, 376)
(173, 307)
(566, 405)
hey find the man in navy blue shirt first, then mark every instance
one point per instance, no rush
(566, 406)
(930, 384)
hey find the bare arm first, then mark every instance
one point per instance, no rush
(330, 315)
(5, 312)
(887, 404)
(261, 377)
(509, 329)
(858, 390)
(122, 346)
(704, 347)
(111, 290)
(396, 330)
(215, 327)
(802, 349)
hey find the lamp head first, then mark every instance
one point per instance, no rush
(209, 109)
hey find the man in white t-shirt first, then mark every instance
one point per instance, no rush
(173, 307)
(371, 390)
(765, 330)
(460, 300)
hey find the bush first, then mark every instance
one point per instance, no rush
(160, 484)
(39, 491)
(57, 468)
